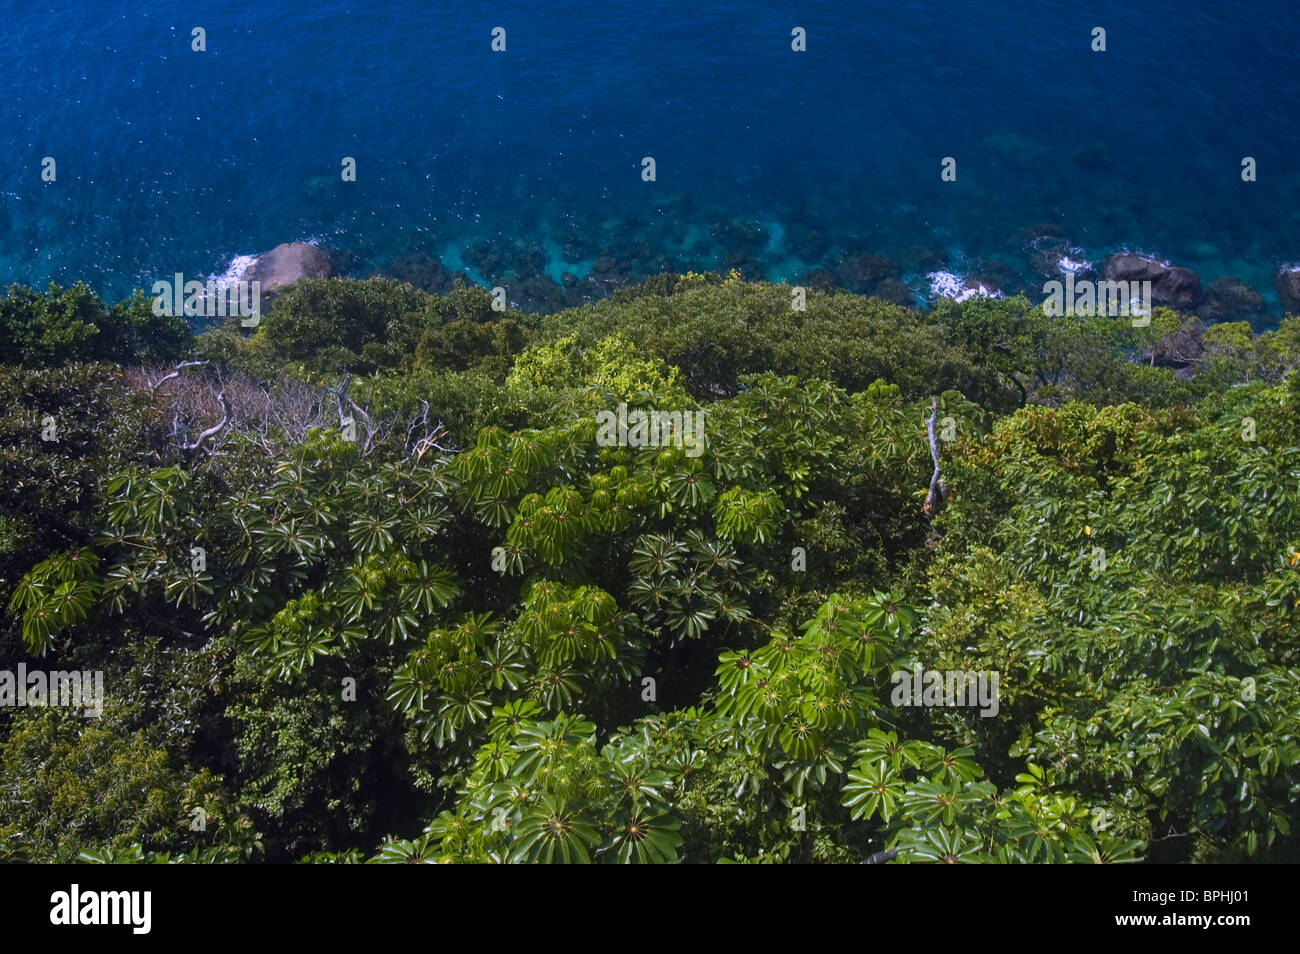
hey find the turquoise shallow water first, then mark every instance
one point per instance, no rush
(521, 166)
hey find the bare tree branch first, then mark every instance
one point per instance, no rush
(428, 437)
(341, 394)
(216, 428)
(938, 495)
(175, 373)
(375, 431)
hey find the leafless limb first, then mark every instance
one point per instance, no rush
(428, 438)
(421, 421)
(938, 495)
(375, 431)
(153, 386)
(216, 428)
(276, 414)
(341, 395)
(273, 416)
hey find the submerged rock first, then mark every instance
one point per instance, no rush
(997, 277)
(1231, 299)
(1057, 261)
(575, 246)
(538, 293)
(608, 274)
(810, 244)
(1287, 281)
(922, 258)
(1052, 257)
(750, 269)
(862, 273)
(529, 259)
(424, 272)
(738, 235)
(487, 258)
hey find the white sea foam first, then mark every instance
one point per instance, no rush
(944, 284)
(235, 270)
(1073, 266)
(948, 285)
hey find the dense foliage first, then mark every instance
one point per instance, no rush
(367, 585)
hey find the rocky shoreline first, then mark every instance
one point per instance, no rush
(920, 276)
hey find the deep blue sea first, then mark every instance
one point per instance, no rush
(520, 166)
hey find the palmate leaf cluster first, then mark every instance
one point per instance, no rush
(525, 647)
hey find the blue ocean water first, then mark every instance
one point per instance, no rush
(523, 165)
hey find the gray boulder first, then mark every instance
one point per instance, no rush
(284, 265)
(1169, 286)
